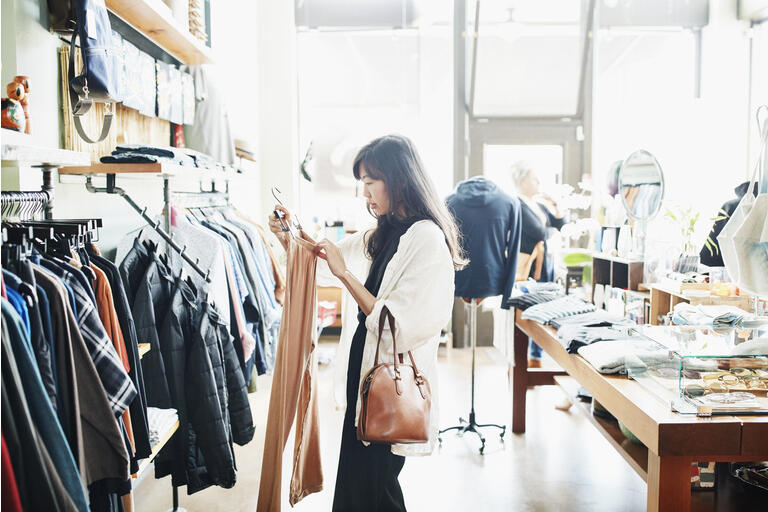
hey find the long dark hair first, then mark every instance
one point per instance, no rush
(394, 160)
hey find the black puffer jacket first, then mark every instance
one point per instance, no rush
(174, 330)
(207, 458)
(208, 390)
(210, 456)
(240, 417)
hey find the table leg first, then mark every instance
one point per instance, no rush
(519, 381)
(669, 483)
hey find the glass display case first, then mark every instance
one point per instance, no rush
(704, 371)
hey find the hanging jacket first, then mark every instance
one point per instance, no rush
(210, 456)
(127, 327)
(240, 417)
(38, 477)
(42, 413)
(490, 225)
(174, 330)
(40, 346)
(152, 293)
(11, 502)
(92, 432)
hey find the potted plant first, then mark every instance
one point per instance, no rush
(685, 219)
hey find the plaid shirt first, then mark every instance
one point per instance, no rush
(120, 390)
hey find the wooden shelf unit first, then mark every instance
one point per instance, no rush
(169, 169)
(616, 272)
(144, 464)
(635, 454)
(664, 300)
(153, 168)
(153, 19)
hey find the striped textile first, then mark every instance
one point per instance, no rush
(561, 307)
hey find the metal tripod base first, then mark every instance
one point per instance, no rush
(472, 426)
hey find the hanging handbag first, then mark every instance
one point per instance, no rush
(395, 398)
(98, 80)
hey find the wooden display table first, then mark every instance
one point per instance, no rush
(672, 441)
(664, 299)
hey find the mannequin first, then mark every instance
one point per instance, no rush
(489, 221)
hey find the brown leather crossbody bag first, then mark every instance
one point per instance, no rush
(395, 398)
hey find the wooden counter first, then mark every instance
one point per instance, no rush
(672, 441)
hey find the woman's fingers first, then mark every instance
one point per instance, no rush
(284, 211)
(320, 248)
(274, 225)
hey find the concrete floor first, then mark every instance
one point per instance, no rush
(561, 463)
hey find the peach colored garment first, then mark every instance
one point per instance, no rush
(294, 388)
(277, 273)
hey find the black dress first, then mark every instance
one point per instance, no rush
(367, 475)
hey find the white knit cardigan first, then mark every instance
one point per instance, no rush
(417, 288)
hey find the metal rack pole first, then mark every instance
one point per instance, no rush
(48, 188)
(112, 189)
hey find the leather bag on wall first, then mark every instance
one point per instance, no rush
(98, 79)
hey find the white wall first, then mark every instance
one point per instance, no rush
(355, 86)
(644, 99)
(275, 58)
(29, 49)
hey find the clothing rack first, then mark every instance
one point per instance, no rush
(165, 234)
(211, 198)
(26, 204)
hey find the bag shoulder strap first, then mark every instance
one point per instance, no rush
(385, 316)
(104, 128)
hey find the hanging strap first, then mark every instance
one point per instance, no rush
(386, 316)
(104, 128)
(762, 128)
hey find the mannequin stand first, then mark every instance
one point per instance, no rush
(471, 425)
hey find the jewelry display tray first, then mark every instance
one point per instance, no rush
(702, 370)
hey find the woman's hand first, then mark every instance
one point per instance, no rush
(277, 228)
(551, 204)
(332, 254)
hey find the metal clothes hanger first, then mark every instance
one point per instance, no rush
(281, 217)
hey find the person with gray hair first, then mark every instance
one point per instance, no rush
(539, 213)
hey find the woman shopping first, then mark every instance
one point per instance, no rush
(539, 213)
(411, 256)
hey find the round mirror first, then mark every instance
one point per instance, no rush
(641, 185)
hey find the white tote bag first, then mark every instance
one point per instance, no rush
(750, 238)
(750, 241)
(726, 239)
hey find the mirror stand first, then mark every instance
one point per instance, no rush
(638, 239)
(641, 185)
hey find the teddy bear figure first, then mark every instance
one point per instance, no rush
(19, 90)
